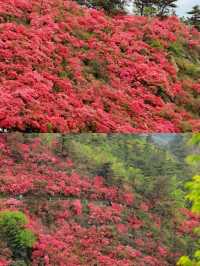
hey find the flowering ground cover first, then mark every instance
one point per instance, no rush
(66, 68)
(51, 215)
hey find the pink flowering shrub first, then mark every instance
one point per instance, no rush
(65, 68)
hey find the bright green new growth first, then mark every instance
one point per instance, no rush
(13, 231)
(194, 197)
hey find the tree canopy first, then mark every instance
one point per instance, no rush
(194, 197)
(194, 18)
(154, 7)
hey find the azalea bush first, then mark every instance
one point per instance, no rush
(67, 68)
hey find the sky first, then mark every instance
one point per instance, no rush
(186, 5)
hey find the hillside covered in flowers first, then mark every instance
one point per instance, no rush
(51, 214)
(66, 68)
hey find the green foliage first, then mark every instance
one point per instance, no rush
(176, 48)
(154, 7)
(195, 139)
(97, 69)
(193, 159)
(19, 263)
(12, 18)
(184, 261)
(67, 74)
(98, 157)
(13, 231)
(156, 44)
(195, 16)
(187, 68)
(56, 88)
(192, 70)
(26, 238)
(194, 197)
(134, 159)
(110, 6)
(12, 219)
(150, 11)
(83, 35)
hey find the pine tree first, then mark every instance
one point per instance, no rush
(195, 16)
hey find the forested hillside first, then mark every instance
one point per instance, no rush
(95, 200)
(69, 68)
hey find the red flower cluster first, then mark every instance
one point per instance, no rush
(70, 69)
(191, 222)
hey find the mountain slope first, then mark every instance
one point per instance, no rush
(81, 219)
(65, 68)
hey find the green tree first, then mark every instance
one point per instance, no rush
(194, 197)
(110, 6)
(164, 6)
(195, 16)
(142, 5)
(154, 7)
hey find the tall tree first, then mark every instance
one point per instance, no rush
(165, 6)
(194, 198)
(142, 5)
(195, 16)
(156, 7)
(110, 6)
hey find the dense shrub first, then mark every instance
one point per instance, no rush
(66, 68)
